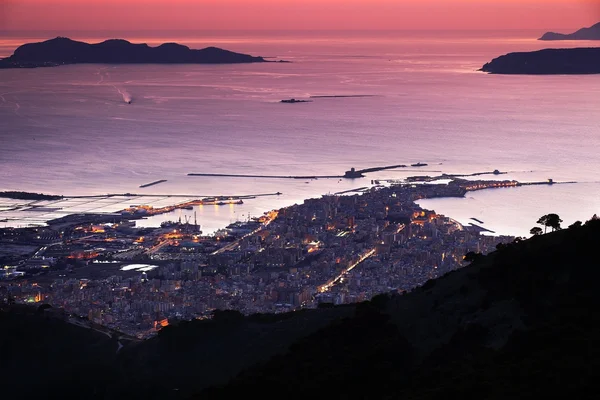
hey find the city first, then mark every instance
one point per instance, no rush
(331, 250)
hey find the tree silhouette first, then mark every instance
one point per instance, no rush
(550, 220)
(554, 222)
(575, 224)
(536, 230)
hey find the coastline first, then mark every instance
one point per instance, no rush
(139, 212)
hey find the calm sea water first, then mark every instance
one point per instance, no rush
(69, 130)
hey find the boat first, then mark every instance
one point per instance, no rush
(295, 101)
(419, 164)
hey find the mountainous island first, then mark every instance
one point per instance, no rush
(547, 62)
(521, 322)
(62, 51)
(591, 33)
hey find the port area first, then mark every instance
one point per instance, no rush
(112, 207)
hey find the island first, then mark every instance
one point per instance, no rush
(591, 33)
(20, 195)
(581, 60)
(63, 51)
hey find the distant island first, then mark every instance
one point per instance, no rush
(547, 62)
(63, 51)
(28, 196)
(591, 33)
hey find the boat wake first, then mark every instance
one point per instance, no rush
(126, 96)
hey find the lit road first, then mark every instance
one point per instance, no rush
(234, 245)
(157, 247)
(333, 281)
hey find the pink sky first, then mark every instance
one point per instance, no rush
(296, 14)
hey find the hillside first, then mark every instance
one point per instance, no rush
(576, 61)
(61, 51)
(518, 323)
(43, 355)
(591, 33)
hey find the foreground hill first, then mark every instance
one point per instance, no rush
(547, 62)
(522, 322)
(591, 33)
(60, 51)
(518, 323)
(43, 355)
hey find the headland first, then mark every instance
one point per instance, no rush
(591, 33)
(64, 51)
(576, 61)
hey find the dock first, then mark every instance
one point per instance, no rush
(479, 228)
(360, 189)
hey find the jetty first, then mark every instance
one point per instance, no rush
(153, 183)
(350, 174)
(270, 176)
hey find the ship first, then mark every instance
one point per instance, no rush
(419, 164)
(295, 101)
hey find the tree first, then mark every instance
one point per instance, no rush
(536, 230)
(554, 222)
(575, 224)
(550, 220)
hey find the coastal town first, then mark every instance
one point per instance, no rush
(336, 249)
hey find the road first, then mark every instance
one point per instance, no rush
(332, 282)
(233, 245)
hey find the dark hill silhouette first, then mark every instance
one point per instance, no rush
(591, 33)
(521, 322)
(60, 51)
(547, 62)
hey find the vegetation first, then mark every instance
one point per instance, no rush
(550, 220)
(521, 322)
(536, 230)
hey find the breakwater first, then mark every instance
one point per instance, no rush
(351, 174)
(153, 183)
(270, 176)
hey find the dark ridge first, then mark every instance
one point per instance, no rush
(61, 51)
(521, 322)
(547, 62)
(591, 33)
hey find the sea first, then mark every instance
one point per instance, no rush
(397, 97)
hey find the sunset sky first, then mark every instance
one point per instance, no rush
(296, 14)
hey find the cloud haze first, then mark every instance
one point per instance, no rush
(296, 14)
